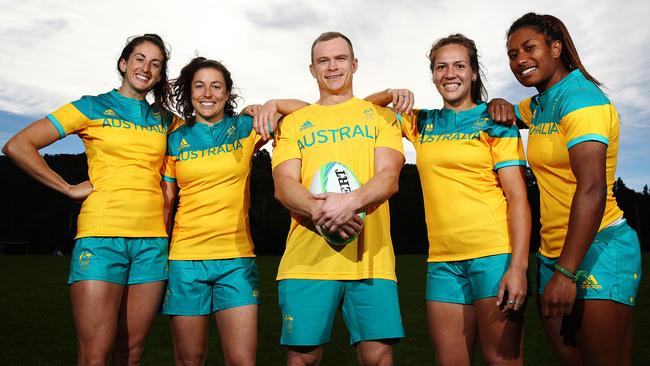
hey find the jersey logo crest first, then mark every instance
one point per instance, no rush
(369, 113)
(84, 260)
(480, 123)
(305, 125)
(232, 131)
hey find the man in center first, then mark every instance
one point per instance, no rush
(316, 278)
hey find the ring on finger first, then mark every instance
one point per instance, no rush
(512, 302)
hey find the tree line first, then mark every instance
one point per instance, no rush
(32, 213)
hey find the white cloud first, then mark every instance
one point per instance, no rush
(54, 51)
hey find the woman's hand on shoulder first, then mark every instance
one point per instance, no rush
(502, 112)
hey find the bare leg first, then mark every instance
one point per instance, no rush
(606, 332)
(95, 307)
(453, 332)
(375, 353)
(562, 335)
(238, 333)
(140, 303)
(190, 335)
(502, 335)
(305, 356)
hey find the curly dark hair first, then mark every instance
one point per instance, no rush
(554, 30)
(181, 96)
(162, 89)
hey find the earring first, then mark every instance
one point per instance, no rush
(474, 78)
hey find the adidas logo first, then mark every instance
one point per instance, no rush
(109, 112)
(306, 125)
(183, 144)
(591, 282)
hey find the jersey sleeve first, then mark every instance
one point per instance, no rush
(285, 142)
(409, 124)
(245, 129)
(175, 123)
(505, 146)
(168, 168)
(524, 112)
(389, 131)
(72, 117)
(586, 115)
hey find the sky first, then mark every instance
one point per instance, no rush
(55, 51)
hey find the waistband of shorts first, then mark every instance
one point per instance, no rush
(620, 221)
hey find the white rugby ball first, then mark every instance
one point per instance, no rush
(334, 177)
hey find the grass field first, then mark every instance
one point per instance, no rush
(36, 323)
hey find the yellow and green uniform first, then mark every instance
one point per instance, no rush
(211, 165)
(458, 155)
(125, 143)
(570, 112)
(348, 133)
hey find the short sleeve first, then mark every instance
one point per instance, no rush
(505, 146)
(524, 112)
(285, 143)
(389, 131)
(409, 124)
(168, 169)
(586, 115)
(245, 128)
(72, 117)
(175, 123)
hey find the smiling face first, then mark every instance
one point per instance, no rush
(333, 66)
(534, 61)
(142, 70)
(453, 76)
(209, 95)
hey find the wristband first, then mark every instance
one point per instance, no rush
(565, 272)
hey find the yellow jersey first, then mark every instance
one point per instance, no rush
(347, 133)
(125, 143)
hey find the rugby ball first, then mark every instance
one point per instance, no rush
(334, 177)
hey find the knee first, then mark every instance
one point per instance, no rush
(92, 358)
(127, 356)
(378, 357)
(190, 358)
(240, 359)
(303, 357)
(507, 356)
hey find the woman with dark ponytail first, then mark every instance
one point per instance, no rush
(476, 210)
(589, 261)
(118, 267)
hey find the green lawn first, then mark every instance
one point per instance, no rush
(37, 325)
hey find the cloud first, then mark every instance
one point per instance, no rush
(54, 51)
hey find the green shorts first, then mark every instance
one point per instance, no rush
(202, 287)
(610, 270)
(463, 282)
(124, 261)
(370, 310)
